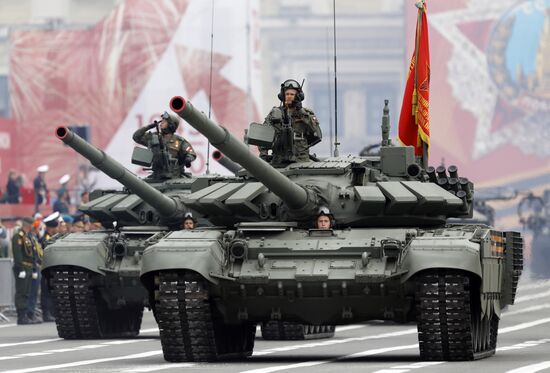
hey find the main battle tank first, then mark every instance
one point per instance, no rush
(391, 258)
(94, 276)
(534, 214)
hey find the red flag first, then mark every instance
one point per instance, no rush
(414, 121)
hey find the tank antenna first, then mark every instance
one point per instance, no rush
(329, 93)
(336, 143)
(210, 87)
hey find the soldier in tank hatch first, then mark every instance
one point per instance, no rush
(189, 221)
(172, 153)
(324, 219)
(296, 127)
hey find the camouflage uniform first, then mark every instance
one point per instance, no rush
(306, 134)
(23, 261)
(177, 146)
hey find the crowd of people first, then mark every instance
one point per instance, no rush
(30, 237)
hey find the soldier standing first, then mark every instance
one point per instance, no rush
(51, 222)
(34, 236)
(179, 150)
(23, 263)
(296, 127)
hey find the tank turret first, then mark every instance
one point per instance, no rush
(165, 206)
(389, 189)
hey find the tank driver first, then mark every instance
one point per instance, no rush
(171, 152)
(296, 127)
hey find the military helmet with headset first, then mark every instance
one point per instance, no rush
(291, 84)
(324, 211)
(173, 121)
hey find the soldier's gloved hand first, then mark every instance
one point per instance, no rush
(151, 126)
(297, 104)
(22, 274)
(34, 275)
(187, 162)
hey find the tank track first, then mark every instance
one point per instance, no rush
(81, 314)
(450, 324)
(190, 328)
(292, 331)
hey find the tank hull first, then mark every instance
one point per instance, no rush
(325, 278)
(93, 278)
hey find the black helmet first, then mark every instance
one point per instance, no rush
(173, 121)
(291, 84)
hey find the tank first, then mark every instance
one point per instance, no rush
(534, 214)
(390, 256)
(94, 277)
(280, 330)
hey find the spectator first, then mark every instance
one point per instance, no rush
(13, 187)
(40, 188)
(61, 205)
(3, 241)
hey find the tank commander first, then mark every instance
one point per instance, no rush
(189, 221)
(296, 127)
(171, 153)
(324, 220)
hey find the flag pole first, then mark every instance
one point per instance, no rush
(424, 158)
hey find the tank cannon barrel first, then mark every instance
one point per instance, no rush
(295, 196)
(164, 205)
(225, 162)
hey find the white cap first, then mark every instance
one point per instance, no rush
(64, 179)
(55, 216)
(38, 216)
(43, 168)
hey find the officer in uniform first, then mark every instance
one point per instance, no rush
(324, 220)
(52, 223)
(178, 148)
(40, 188)
(35, 236)
(23, 263)
(296, 127)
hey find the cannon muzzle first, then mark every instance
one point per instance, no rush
(166, 206)
(225, 162)
(295, 196)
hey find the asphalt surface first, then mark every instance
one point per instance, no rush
(523, 346)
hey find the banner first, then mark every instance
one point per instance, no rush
(120, 75)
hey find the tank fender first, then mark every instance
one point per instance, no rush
(195, 250)
(86, 250)
(440, 252)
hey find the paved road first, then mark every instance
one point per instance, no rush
(523, 345)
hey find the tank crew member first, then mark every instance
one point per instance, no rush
(40, 188)
(23, 262)
(324, 220)
(189, 221)
(178, 148)
(296, 127)
(52, 223)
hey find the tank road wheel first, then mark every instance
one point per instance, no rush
(285, 330)
(82, 314)
(450, 324)
(190, 328)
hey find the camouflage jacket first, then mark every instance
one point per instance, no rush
(306, 133)
(179, 148)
